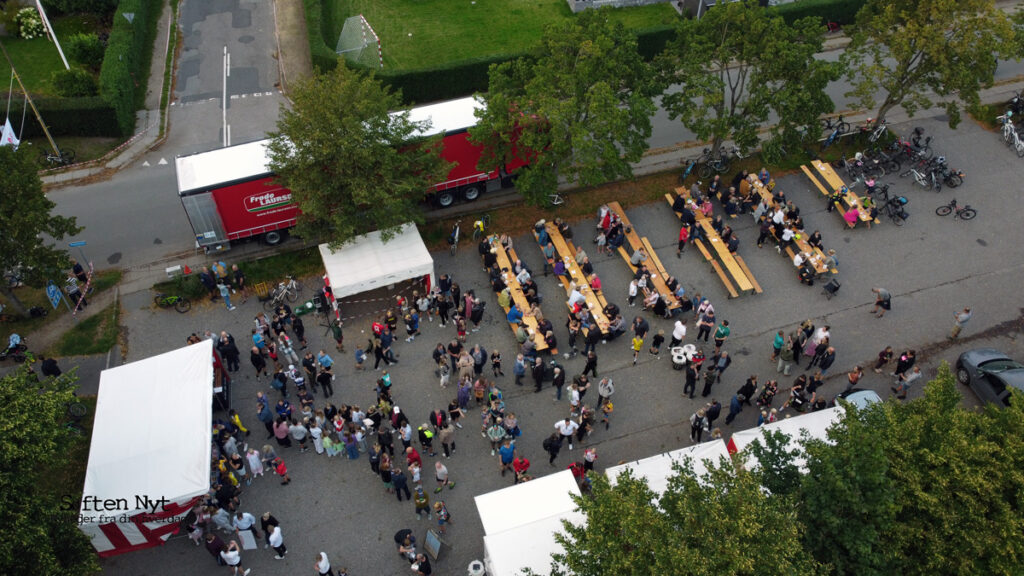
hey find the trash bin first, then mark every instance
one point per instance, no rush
(476, 568)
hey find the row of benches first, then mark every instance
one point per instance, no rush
(852, 201)
(659, 276)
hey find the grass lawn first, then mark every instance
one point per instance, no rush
(36, 60)
(272, 269)
(94, 335)
(86, 148)
(102, 280)
(419, 34)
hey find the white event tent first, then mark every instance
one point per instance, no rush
(814, 424)
(658, 469)
(520, 523)
(149, 461)
(367, 262)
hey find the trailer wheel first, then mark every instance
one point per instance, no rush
(274, 238)
(445, 199)
(471, 193)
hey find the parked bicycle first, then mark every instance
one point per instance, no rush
(874, 130)
(720, 162)
(179, 303)
(74, 412)
(285, 291)
(893, 207)
(692, 163)
(888, 161)
(839, 128)
(481, 225)
(1010, 135)
(961, 211)
(16, 349)
(63, 157)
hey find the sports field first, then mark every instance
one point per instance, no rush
(424, 33)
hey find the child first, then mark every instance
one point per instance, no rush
(444, 370)
(255, 462)
(443, 517)
(606, 410)
(415, 474)
(281, 470)
(330, 446)
(460, 327)
(496, 363)
(422, 503)
(360, 358)
(656, 343)
(638, 345)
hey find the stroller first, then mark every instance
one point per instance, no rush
(830, 289)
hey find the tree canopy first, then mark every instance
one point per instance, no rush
(728, 71)
(28, 226)
(919, 488)
(352, 165)
(38, 535)
(918, 53)
(579, 109)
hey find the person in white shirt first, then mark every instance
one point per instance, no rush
(233, 558)
(678, 333)
(575, 297)
(323, 565)
(566, 428)
(277, 543)
(799, 259)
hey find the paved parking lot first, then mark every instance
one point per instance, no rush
(933, 266)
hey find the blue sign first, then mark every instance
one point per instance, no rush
(53, 293)
(76, 244)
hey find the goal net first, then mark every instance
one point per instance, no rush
(359, 44)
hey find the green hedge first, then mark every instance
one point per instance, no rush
(90, 116)
(125, 70)
(652, 41)
(453, 80)
(841, 11)
(324, 57)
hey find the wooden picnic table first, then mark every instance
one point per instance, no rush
(577, 276)
(658, 274)
(516, 291)
(817, 256)
(836, 183)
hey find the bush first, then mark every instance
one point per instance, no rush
(453, 80)
(841, 11)
(30, 25)
(85, 49)
(74, 82)
(324, 58)
(126, 62)
(88, 116)
(98, 7)
(651, 42)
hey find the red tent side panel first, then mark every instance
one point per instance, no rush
(130, 533)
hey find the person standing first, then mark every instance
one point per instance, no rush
(905, 362)
(605, 389)
(566, 428)
(507, 453)
(678, 334)
(538, 374)
(258, 362)
(228, 350)
(698, 422)
(206, 279)
(225, 293)
(552, 444)
(690, 388)
(827, 360)
(232, 556)
(959, 319)
(853, 377)
(712, 412)
(400, 483)
(591, 366)
(735, 407)
(884, 357)
(322, 567)
(721, 335)
(422, 503)
(276, 541)
(883, 302)
(905, 380)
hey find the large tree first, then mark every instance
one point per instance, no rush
(722, 523)
(578, 109)
(39, 534)
(916, 53)
(726, 73)
(28, 227)
(352, 165)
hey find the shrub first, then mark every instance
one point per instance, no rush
(30, 25)
(126, 61)
(98, 7)
(86, 116)
(324, 58)
(841, 11)
(85, 49)
(74, 82)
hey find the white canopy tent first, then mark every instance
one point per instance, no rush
(657, 469)
(815, 424)
(150, 453)
(367, 262)
(520, 523)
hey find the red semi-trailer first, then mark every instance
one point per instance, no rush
(230, 194)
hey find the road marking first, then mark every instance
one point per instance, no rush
(146, 163)
(162, 162)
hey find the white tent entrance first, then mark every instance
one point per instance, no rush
(149, 461)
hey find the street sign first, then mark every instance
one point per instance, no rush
(54, 294)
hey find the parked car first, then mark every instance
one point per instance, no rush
(991, 374)
(859, 397)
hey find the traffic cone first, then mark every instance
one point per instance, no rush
(187, 270)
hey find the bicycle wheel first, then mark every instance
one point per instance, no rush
(705, 171)
(291, 295)
(270, 303)
(77, 410)
(927, 152)
(1019, 145)
(159, 301)
(67, 156)
(183, 304)
(1007, 136)
(843, 127)
(954, 180)
(967, 213)
(297, 285)
(44, 158)
(897, 220)
(944, 210)
(924, 181)
(892, 166)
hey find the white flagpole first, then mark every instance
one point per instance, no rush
(51, 32)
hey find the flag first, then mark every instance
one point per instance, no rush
(8, 138)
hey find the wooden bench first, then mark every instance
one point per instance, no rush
(659, 277)
(730, 288)
(567, 252)
(850, 198)
(517, 295)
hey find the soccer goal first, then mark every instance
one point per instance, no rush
(358, 43)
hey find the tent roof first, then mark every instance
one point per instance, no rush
(151, 436)
(525, 503)
(527, 546)
(658, 468)
(815, 424)
(367, 262)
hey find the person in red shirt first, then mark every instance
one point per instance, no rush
(520, 465)
(684, 236)
(411, 455)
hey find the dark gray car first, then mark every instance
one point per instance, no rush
(991, 374)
